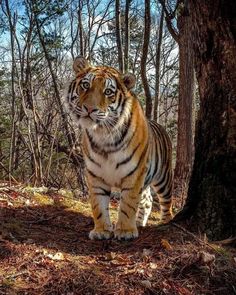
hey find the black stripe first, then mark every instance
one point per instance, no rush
(92, 160)
(124, 145)
(120, 99)
(122, 211)
(131, 207)
(168, 194)
(148, 175)
(106, 192)
(165, 210)
(135, 168)
(123, 132)
(164, 183)
(156, 157)
(92, 174)
(160, 180)
(94, 146)
(123, 106)
(128, 158)
(99, 216)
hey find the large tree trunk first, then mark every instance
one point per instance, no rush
(184, 152)
(212, 192)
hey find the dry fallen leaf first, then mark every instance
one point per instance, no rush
(153, 265)
(110, 256)
(57, 256)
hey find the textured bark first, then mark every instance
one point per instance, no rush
(127, 36)
(146, 38)
(157, 68)
(81, 34)
(12, 25)
(184, 153)
(212, 192)
(118, 38)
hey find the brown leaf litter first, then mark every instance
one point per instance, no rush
(44, 249)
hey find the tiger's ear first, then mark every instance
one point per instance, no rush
(129, 81)
(80, 64)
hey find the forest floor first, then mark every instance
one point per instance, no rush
(44, 249)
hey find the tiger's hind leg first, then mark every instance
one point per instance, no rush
(145, 207)
(164, 194)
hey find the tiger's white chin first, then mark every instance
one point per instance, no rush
(88, 123)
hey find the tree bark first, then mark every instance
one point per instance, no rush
(184, 152)
(146, 38)
(118, 38)
(127, 36)
(80, 24)
(12, 25)
(211, 199)
(157, 69)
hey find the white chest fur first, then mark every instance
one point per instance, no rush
(106, 167)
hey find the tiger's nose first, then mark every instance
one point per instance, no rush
(89, 109)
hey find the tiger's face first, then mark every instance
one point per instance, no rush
(96, 96)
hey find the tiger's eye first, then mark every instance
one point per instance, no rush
(85, 85)
(108, 92)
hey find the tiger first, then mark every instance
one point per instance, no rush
(121, 149)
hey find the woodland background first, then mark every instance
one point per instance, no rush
(165, 44)
(183, 53)
(39, 40)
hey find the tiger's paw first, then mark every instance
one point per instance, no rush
(96, 234)
(141, 223)
(121, 234)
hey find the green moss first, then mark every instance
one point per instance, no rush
(43, 199)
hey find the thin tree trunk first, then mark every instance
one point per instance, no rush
(127, 36)
(211, 201)
(80, 24)
(118, 38)
(184, 153)
(157, 68)
(12, 25)
(146, 38)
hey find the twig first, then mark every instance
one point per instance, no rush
(12, 276)
(202, 242)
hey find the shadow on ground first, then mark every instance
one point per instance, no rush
(64, 230)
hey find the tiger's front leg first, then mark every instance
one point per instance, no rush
(126, 227)
(99, 200)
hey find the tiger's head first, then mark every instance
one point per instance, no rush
(98, 96)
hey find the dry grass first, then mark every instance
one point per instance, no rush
(44, 249)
